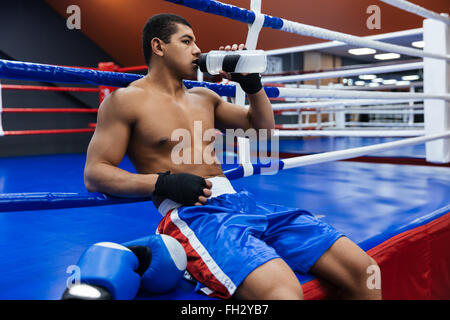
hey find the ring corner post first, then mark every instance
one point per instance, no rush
(106, 90)
(436, 35)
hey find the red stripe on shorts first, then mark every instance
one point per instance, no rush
(195, 264)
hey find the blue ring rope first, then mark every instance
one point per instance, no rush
(42, 72)
(18, 70)
(229, 11)
(49, 73)
(63, 200)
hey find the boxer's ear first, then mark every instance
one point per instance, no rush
(157, 46)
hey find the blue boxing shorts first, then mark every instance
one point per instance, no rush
(232, 235)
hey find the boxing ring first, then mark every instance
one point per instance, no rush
(398, 213)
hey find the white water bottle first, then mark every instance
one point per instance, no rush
(240, 61)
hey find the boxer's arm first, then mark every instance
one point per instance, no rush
(227, 115)
(107, 149)
(259, 114)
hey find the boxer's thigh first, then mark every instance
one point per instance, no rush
(299, 238)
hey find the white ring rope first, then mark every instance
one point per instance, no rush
(333, 44)
(317, 32)
(384, 124)
(388, 109)
(344, 73)
(367, 110)
(397, 125)
(334, 103)
(418, 10)
(349, 133)
(358, 152)
(340, 94)
(243, 15)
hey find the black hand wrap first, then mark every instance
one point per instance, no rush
(250, 83)
(184, 188)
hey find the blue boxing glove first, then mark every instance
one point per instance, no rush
(167, 265)
(107, 271)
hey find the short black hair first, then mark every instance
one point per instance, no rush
(161, 26)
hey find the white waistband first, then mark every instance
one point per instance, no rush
(220, 185)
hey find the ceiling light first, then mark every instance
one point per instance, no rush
(418, 44)
(387, 56)
(367, 76)
(374, 84)
(362, 51)
(402, 83)
(390, 81)
(378, 80)
(411, 77)
(360, 83)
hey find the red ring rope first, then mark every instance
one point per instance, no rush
(43, 88)
(48, 110)
(51, 131)
(135, 68)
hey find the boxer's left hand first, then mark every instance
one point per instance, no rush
(250, 82)
(234, 47)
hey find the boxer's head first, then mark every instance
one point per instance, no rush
(170, 37)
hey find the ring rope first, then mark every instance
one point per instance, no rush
(354, 94)
(345, 73)
(416, 9)
(329, 106)
(20, 70)
(290, 163)
(43, 72)
(55, 200)
(58, 200)
(247, 16)
(45, 131)
(372, 110)
(45, 88)
(349, 133)
(49, 110)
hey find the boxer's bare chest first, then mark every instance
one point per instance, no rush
(171, 132)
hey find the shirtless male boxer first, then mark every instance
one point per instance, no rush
(236, 247)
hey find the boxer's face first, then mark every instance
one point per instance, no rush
(182, 51)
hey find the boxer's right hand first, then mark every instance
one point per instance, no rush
(184, 188)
